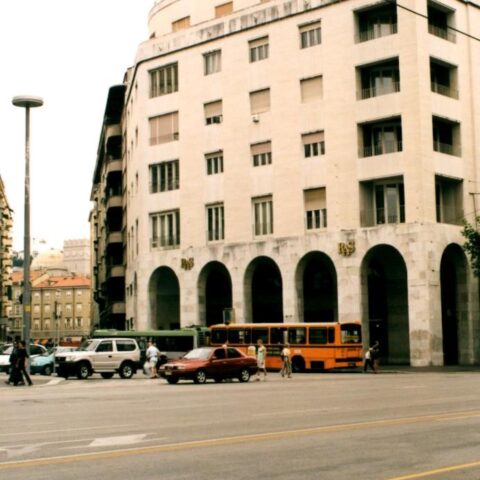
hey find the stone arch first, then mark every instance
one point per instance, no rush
(316, 286)
(263, 291)
(385, 303)
(164, 297)
(454, 299)
(214, 293)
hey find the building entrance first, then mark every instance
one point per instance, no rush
(164, 294)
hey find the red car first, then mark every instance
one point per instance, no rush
(210, 362)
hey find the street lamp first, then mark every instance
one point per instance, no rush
(27, 102)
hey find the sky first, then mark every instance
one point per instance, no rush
(69, 53)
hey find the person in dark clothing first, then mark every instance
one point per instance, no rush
(22, 363)
(15, 376)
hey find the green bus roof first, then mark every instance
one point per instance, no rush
(183, 332)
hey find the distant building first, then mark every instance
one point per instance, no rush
(6, 223)
(60, 306)
(76, 256)
(48, 259)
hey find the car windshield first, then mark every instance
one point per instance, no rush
(198, 354)
(89, 345)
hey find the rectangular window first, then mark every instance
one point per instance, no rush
(263, 215)
(224, 9)
(260, 101)
(212, 62)
(165, 228)
(311, 89)
(164, 128)
(258, 49)
(261, 153)
(215, 222)
(213, 112)
(214, 162)
(180, 24)
(313, 144)
(389, 203)
(164, 80)
(310, 35)
(315, 208)
(164, 176)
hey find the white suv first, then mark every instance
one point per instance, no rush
(106, 356)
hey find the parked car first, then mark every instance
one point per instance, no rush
(35, 350)
(106, 356)
(43, 364)
(210, 362)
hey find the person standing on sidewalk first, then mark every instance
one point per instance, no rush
(286, 361)
(376, 355)
(261, 359)
(152, 356)
(22, 363)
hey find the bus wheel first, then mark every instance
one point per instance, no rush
(172, 380)
(298, 364)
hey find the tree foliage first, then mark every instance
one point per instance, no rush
(472, 245)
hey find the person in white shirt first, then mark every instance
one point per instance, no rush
(287, 361)
(152, 357)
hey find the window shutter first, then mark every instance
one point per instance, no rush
(259, 148)
(224, 9)
(311, 88)
(315, 199)
(309, 138)
(213, 109)
(260, 101)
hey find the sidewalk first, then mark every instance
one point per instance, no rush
(38, 380)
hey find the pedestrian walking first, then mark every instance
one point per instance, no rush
(22, 364)
(152, 357)
(15, 376)
(368, 360)
(286, 361)
(261, 359)
(376, 356)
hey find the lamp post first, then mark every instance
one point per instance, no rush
(27, 102)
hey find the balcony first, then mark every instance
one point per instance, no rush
(447, 148)
(442, 32)
(446, 136)
(381, 148)
(376, 22)
(440, 21)
(113, 166)
(114, 237)
(114, 201)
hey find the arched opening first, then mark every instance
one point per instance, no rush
(454, 294)
(214, 292)
(385, 303)
(316, 282)
(164, 295)
(263, 291)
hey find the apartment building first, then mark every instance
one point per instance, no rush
(305, 160)
(6, 223)
(60, 306)
(107, 219)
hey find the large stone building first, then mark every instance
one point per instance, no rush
(302, 160)
(76, 256)
(6, 224)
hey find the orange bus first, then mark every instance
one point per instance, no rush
(314, 346)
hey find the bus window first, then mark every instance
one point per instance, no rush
(175, 344)
(248, 336)
(219, 335)
(297, 336)
(236, 335)
(351, 333)
(277, 335)
(331, 335)
(259, 333)
(317, 336)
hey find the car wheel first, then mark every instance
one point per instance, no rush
(200, 376)
(107, 375)
(244, 375)
(172, 380)
(47, 370)
(126, 370)
(83, 371)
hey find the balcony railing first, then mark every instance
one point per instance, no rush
(377, 32)
(370, 92)
(447, 148)
(382, 148)
(442, 32)
(165, 241)
(444, 90)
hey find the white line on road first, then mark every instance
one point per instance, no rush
(43, 432)
(117, 441)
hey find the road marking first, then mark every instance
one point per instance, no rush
(438, 471)
(43, 432)
(116, 441)
(216, 442)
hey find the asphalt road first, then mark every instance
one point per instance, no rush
(391, 426)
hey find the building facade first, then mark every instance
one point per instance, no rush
(61, 306)
(76, 256)
(107, 220)
(6, 224)
(306, 160)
